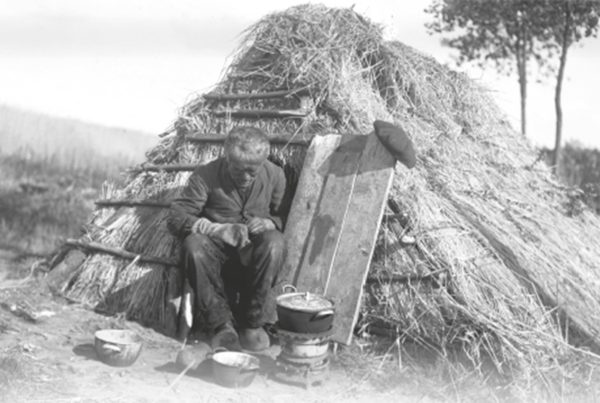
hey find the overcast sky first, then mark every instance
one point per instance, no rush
(133, 63)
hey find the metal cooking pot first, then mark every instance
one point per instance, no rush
(304, 312)
(233, 369)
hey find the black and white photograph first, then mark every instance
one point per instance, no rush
(292, 201)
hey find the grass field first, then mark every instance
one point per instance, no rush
(67, 142)
(40, 203)
(51, 172)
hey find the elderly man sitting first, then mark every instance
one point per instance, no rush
(229, 218)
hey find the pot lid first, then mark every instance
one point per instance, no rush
(304, 301)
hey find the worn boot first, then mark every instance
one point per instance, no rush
(254, 339)
(226, 337)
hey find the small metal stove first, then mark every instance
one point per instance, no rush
(304, 358)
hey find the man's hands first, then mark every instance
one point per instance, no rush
(233, 234)
(236, 235)
(257, 225)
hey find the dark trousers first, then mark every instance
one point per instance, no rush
(225, 289)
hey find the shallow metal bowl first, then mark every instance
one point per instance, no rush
(116, 347)
(233, 369)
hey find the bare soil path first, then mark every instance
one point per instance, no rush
(51, 358)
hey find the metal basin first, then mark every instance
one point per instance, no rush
(233, 369)
(118, 348)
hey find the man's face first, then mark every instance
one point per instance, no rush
(243, 172)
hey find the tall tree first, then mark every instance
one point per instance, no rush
(568, 22)
(518, 31)
(501, 32)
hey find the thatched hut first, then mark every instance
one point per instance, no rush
(505, 262)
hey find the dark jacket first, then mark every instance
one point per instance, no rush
(211, 193)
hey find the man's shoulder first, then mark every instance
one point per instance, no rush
(207, 174)
(272, 169)
(210, 167)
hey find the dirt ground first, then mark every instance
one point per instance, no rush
(47, 355)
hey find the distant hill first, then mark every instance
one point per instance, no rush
(70, 142)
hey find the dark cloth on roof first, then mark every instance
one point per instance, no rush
(211, 193)
(396, 140)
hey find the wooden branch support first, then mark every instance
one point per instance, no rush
(382, 331)
(256, 95)
(98, 247)
(132, 203)
(164, 167)
(400, 278)
(261, 113)
(303, 139)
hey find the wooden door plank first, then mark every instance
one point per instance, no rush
(358, 235)
(334, 221)
(324, 233)
(305, 201)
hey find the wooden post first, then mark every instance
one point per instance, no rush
(98, 247)
(255, 95)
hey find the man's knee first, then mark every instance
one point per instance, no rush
(200, 247)
(271, 242)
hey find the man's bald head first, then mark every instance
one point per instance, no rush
(246, 149)
(245, 143)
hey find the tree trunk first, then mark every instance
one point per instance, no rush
(558, 89)
(523, 92)
(521, 54)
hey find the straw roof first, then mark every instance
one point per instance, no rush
(506, 257)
